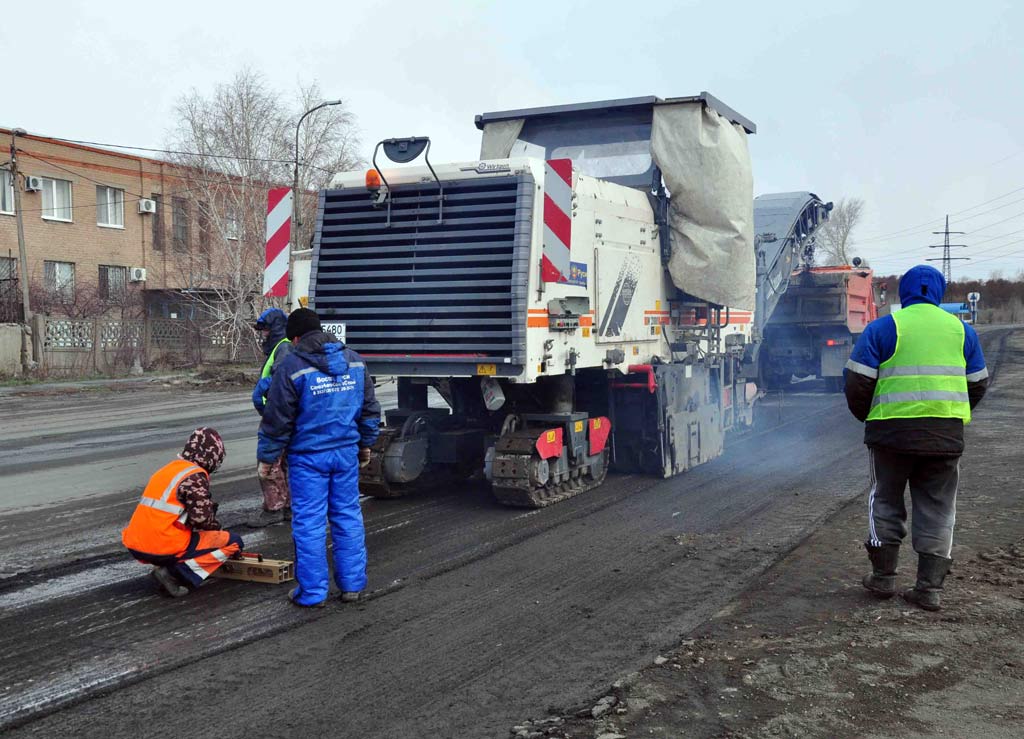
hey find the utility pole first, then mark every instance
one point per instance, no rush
(946, 259)
(26, 331)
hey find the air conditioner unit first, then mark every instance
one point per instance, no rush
(137, 274)
(33, 184)
(147, 206)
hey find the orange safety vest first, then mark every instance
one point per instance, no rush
(158, 524)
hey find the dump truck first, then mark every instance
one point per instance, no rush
(816, 323)
(580, 296)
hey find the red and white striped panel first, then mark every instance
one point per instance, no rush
(279, 230)
(557, 220)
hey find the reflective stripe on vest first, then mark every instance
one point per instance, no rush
(157, 525)
(926, 377)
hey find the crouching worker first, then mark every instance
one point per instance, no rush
(175, 525)
(322, 411)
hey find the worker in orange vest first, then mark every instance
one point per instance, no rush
(175, 525)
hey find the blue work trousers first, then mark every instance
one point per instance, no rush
(325, 487)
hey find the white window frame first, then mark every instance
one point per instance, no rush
(51, 184)
(66, 289)
(107, 269)
(6, 192)
(114, 205)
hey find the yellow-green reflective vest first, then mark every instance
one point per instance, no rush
(268, 366)
(926, 377)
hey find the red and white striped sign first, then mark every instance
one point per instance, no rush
(554, 261)
(279, 231)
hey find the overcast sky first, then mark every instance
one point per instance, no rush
(916, 107)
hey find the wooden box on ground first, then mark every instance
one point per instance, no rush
(252, 569)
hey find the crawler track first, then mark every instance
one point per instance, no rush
(516, 483)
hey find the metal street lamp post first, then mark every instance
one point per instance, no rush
(296, 210)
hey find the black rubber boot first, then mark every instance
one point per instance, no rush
(882, 580)
(168, 583)
(931, 572)
(267, 518)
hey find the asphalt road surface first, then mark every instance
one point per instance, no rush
(478, 615)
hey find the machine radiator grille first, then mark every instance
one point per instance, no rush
(421, 287)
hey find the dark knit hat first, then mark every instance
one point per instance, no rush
(301, 322)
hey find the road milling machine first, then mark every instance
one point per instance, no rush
(580, 296)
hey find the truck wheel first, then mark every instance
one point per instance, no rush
(834, 384)
(776, 380)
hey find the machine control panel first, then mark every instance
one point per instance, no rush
(564, 313)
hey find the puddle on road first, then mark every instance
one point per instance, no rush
(64, 586)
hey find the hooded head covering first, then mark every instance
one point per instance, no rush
(274, 321)
(204, 448)
(922, 284)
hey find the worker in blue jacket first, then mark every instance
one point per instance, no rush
(322, 412)
(273, 477)
(914, 377)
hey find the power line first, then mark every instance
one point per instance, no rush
(915, 249)
(170, 151)
(179, 152)
(134, 196)
(929, 224)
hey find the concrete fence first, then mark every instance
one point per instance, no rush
(10, 349)
(84, 346)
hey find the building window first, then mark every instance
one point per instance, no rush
(179, 223)
(56, 199)
(204, 225)
(60, 279)
(10, 305)
(6, 192)
(113, 282)
(232, 228)
(158, 223)
(109, 206)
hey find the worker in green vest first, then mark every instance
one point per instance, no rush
(273, 477)
(914, 377)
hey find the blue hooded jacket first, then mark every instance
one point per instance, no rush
(320, 399)
(929, 436)
(275, 320)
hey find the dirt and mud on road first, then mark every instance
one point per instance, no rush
(479, 617)
(807, 652)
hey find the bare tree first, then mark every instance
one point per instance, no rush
(835, 237)
(240, 141)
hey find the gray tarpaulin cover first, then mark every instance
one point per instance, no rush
(499, 137)
(705, 163)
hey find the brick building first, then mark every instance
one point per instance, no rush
(103, 223)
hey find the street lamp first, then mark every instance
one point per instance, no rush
(296, 221)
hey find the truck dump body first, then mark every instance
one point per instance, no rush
(816, 323)
(828, 296)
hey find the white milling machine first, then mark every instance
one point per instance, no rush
(580, 296)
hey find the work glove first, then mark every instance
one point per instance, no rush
(364, 456)
(263, 470)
